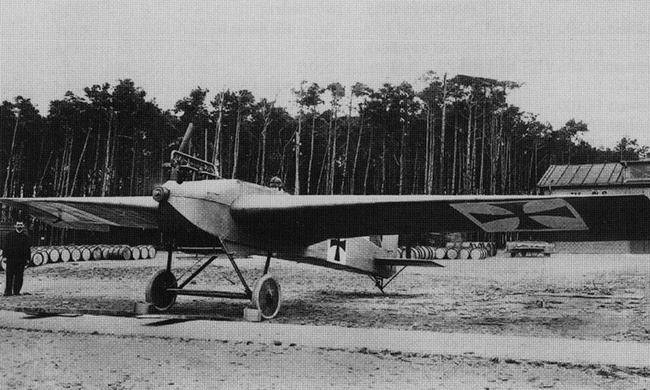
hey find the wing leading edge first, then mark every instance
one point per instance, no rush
(309, 219)
(96, 213)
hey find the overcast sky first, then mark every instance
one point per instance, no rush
(588, 60)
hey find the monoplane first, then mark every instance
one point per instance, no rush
(198, 211)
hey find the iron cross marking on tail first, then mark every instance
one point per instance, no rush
(339, 246)
(530, 215)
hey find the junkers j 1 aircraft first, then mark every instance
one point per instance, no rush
(354, 233)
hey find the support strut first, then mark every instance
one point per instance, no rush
(234, 265)
(379, 282)
(223, 249)
(267, 264)
(164, 287)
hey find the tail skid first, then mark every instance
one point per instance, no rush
(381, 283)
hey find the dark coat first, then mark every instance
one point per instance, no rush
(17, 248)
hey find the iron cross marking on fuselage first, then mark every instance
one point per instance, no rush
(340, 245)
(543, 214)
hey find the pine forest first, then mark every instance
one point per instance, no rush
(454, 136)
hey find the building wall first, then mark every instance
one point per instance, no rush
(622, 190)
(611, 239)
(603, 247)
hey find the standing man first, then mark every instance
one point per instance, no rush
(17, 250)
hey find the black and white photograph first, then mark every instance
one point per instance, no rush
(372, 194)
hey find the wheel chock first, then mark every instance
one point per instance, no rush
(141, 308)
(252, 315)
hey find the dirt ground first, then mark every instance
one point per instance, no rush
(592, 297)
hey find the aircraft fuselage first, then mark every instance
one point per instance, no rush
(195, 213)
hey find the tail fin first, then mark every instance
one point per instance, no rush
(388, 243)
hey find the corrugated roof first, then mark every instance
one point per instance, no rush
(607, 174)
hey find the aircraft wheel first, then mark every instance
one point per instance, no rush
(267, 296)
(156, 292)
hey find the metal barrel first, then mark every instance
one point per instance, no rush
(64, 253)
(124, 252)
(478, 254)
(152, 251)
(36, 259)
(135, 252)
(75, 253)
(86, 254)
(40, 259)
(492, 249)
(53, 255)
(96, 253)
(114, 253)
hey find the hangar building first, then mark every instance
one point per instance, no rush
(627, 177)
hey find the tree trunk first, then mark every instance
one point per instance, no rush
(297, 176)
(383, 163)
(57, 175)
(216, 157)
(76, 173)
(347, 148)
(133, 166)
(332, 170)
(107, 160)
(262, 163)
(311, 150)
(493, 156)
(236, 147)
(40, 181)
(415, 171)
(468, 154)
(441, 175)
(430, 152)
(503, 155)
(263, 157)
(356, 156)
(454, 166)
(322, 169)
(482, 168)
(473, 161)
(402, 158)
(328, 150)
(67, 160)
(365, 177)
(95, 173)
(5, 190)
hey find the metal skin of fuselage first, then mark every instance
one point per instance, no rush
(195, 214)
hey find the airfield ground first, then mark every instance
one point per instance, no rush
(587, 297)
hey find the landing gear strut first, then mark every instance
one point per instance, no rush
(163, 287)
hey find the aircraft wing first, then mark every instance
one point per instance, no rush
(93, 213)
(308, 219)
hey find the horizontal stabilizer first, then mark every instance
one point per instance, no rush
(406, 262)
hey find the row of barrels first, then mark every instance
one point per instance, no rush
(451, 251)
(62, 254)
